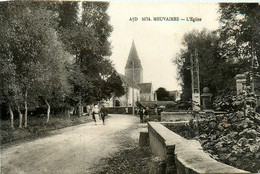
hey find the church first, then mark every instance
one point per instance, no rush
(132, 81)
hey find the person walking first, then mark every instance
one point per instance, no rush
(96, 114)
(141, 113)
(126, 110)
(103, 113)
(146, 115)
(88, 110)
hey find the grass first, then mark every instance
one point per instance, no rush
(37, 127)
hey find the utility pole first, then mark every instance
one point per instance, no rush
(133, 99)
(195, 82)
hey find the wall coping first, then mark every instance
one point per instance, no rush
(201, 112)
(189, 152)
(175, 113)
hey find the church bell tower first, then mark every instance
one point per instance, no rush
(134, 64)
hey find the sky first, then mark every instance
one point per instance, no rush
(157, 42)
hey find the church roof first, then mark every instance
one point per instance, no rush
(128, 81)
(145, 87)
(133, 56)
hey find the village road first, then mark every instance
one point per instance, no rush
(74, 150)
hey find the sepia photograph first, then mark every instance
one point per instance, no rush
(128, 87)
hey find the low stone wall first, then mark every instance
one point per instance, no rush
(184, 116)
(175, 116)
(182, 155)
(119, 110)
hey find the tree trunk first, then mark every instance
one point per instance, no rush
(48, 111)
(20, 117)
(67, 113)
(11, 117)
(25, 108)
(80, 108)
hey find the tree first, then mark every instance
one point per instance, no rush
(162, 94)
(115, 85)
(53, 80)
(215, 72)
(87, 39)
(108, 86)
(31, 40)
(54, 59)
(240, 31)
(9, 88)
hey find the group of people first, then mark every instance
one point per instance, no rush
(97, 113)
(144, 113)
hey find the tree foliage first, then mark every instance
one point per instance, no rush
(215, 71)
(222, 54)
(163, 95)
(87, 40)
(54, 54)
(240, 31)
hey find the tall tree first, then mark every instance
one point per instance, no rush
(52, 85)
(240, 31)
(31, 43)
(87, 39)
(215, 72)
(9, 88)
(162, 94)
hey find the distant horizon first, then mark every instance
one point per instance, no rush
(157, 40)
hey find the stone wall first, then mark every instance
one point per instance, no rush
(119, 110)
(184, 116)
(183, 156)
(175, 116)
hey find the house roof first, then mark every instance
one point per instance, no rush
(145, 87)
(174, 92)
(128, 81)
(133, 56)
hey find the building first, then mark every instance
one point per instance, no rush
(129, 86)
(146, 93)
(133, 80)
(176, 94)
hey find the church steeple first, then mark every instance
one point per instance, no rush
(133, 56)
(138, 69)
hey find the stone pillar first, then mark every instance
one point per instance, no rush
(144, 139)
(206, 99)
(240, 82)
(255, 85)
(170, 160)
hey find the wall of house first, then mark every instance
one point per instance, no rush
(136, 95)
(125, 100)
(147, 97)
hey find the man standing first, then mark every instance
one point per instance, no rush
(146, 115)
(141, 113)
(104, 113)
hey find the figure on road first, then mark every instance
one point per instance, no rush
(96, 114)
(141, 113)
(88, 110)
(146, 115)
(103, 113)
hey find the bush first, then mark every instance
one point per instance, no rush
(231, 102)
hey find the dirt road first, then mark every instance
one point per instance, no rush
(74, 150)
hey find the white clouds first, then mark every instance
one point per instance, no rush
(157, 42)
